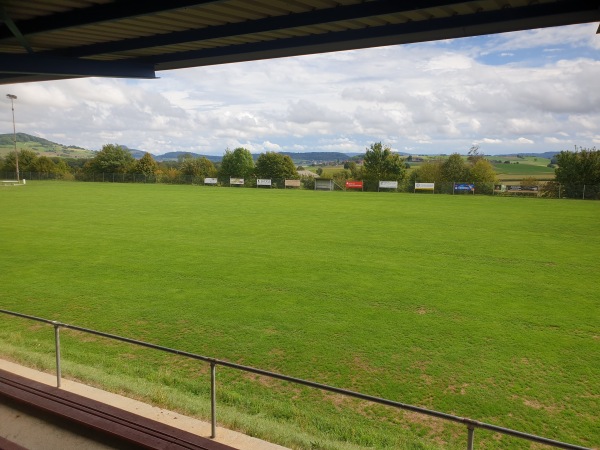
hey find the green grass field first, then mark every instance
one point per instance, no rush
(485, 307)
(524, 170)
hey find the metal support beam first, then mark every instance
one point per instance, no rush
(72, 67)
(512, 19)
(118, 10)
(269, 24)
(14, 30)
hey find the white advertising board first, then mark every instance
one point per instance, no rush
(388, 184)
(428, 186)
(236, 181)
(263, 182)
(210, 181)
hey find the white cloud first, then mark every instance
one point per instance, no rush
(433, 97)
(523, 140)
(271, 147)
(448, 62)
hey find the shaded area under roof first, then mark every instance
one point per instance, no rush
(60, 39)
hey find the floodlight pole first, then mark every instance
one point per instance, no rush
(12, 100)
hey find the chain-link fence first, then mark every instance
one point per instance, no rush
(545, 189)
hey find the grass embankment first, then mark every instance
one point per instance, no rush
(484, 307)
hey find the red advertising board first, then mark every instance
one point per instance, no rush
(354, 184)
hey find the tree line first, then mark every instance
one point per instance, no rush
(114, 159)
(575, 168)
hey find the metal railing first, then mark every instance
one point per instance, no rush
(470, 424)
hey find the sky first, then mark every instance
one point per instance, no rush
(520, 92)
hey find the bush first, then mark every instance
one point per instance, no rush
(551, 189)
(307, 182)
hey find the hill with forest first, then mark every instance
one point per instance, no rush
(174, 156)
(41, 146)
(317, 157)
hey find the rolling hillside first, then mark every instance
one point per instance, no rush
(41, 146)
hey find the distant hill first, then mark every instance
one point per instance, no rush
(315, 156)
(308, 157)
(41, 146)
(548, 155)
(137, 154)
(174, 156)
(7, 139)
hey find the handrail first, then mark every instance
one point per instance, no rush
(470, 423)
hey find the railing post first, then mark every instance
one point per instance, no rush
(471, 437)
(57, 346)
(213, 400)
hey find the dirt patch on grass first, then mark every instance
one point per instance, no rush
(421, 365)
(363, 365)
(457, 389)
(277, 352)
(536, 404)
(427, 379)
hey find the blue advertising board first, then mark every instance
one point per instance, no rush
(464, 187)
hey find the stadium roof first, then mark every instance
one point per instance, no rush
(59, 39)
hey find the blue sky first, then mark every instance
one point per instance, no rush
(531, 91)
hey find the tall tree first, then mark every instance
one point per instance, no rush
(198, 167)
(27, 161)
(146, 165)
(578, 169)
(275, 166)
(454, 169)
(380, 164)
(482, 171)
(474, 154)
(428, 172)
(46, 165)
(237, 164)
(111, 159)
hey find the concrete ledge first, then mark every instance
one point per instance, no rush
(194, 426)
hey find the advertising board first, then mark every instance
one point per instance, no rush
(210, 181)
(426, 186)
(464, 187)
(388, 185)
(292, 183)
(519, 188)
(354, 184)
(236, 181)
(263, 182)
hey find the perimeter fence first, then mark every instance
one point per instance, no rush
(516, 188)
(470, 424)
